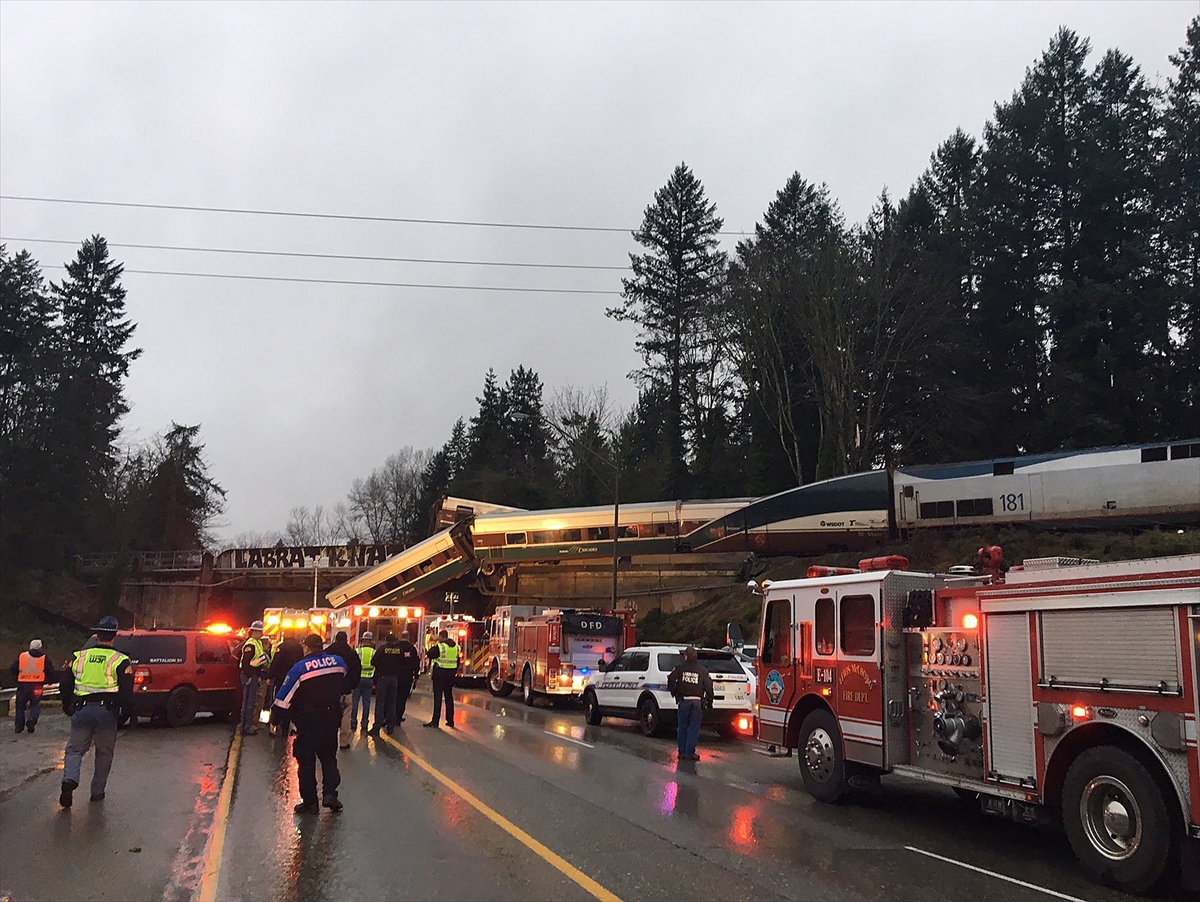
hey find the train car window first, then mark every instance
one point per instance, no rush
(1150, 455)
(775, 646)
(1003, 468)
(975, 507)
(935, 510)
(824, 626)
(662, 528)
(598, 533)
(514, 538)
(572, 535)
(1180, 452)
(628, 532)
(541, 538)
(858, 625)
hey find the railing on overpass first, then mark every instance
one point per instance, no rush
(147, 560)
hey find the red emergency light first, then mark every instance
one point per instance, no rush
(817, 570)
(886, 562)
(745, 724)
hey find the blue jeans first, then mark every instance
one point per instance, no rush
(361, 697)
(249, 698)
(91, 724)
(27, 694)
(687, 730)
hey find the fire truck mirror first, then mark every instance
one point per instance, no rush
(918, 609)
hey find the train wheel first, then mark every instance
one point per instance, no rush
(821, 765)
(1116, 817)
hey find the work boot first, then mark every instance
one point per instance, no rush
(30, 726)
(374, 731)
(19, 730)
(332, 802)
(307, 808)
(64, 797)
(450, 724)
(432, 723)
(97, 797)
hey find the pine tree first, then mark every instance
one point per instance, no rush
(180, 500)
(671, 296)
(487, 437)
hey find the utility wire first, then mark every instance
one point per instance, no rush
(251, 253)
(349, 217)
(217, 275)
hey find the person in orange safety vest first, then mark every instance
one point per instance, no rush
(33, 671)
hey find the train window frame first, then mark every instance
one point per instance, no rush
(599, 533)
(935, 510)
(825, 627)
(974, 507)
(1154, 455)
(854, 604)
(1185, 451)
(1003, 468)
(540, 537)
(515, 538)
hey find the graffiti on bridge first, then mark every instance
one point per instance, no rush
(305, 556)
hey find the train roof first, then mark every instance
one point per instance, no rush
(558, 518)
(1079, 457)
(857, 492)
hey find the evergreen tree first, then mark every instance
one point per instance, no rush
(671, 296)
(180, 501)
(487, 437)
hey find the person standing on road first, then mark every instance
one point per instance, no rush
(312, 692)
(340, 647)
(430, 643)
(33, 671)
(692, 688)
(289, 652)
(395, 670)
(445, 659)
(361, 697)
(255, 661)
(96, 691)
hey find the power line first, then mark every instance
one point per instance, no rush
(363, 257)
(302, 215)
(348, 217)
(217, 275)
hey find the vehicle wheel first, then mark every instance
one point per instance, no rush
(182, 705)
(727, 730)
(527, 687)
(497, 686)
(1117, 820)
(821, 765)
(649, 717)
(591, 709)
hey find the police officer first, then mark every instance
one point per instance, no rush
(312, 693)
(361, 697)
(692, 688)
(33, 671)
(96, 690)
(444, 657)
(340, 647)
(396, 667)
(255, 659)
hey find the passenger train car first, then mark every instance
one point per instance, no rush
(437, 560)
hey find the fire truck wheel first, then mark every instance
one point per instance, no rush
(527, 694)
(182, 705)
(821, 765)
(591, 709)
(649, 717)
(1117, 820)
(497, 686)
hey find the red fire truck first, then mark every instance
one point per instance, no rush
(551, 651)
(1066, 690)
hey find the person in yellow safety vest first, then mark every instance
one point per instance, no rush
(255, 659)
(445, 657)
(361, 696)
(97, 691)
(33, 671)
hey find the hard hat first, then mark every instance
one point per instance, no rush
(35, 644)
(366, 635)
(257, 625)
(107, 625)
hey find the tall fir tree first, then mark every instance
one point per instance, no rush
(674, 287)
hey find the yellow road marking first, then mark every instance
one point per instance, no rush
(551, 858)
(216, 848)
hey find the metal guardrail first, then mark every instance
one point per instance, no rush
(149, 560)
(7, 695)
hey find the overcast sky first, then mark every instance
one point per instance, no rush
(554, 114)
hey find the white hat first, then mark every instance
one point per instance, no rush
(257, 625)
(365, 636)
(35, 644)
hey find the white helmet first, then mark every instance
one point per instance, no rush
(366, 636)
(257, 625)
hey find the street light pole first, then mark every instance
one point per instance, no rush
(616, 529)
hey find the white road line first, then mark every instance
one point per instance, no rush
(971, 867)
(568, 739)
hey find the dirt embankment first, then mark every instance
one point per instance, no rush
(56, 609)
(706, 622)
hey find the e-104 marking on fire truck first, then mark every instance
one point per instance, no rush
(1064, 690)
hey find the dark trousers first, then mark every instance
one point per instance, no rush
(385, 703)
(403, 691)
(687, 731)
(443, 687)
(317, 738)
(28, 694)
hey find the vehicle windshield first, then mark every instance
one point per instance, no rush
(713, 661)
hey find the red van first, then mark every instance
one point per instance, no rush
(178, 672)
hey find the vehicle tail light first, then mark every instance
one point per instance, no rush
(1080, 712)
(141, 676)
(745, 724)
(416, 612)
(358, 611)
(462, 633)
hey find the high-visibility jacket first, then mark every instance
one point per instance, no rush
(447, 656)
(31, 669)
(366, 654)
(262, 652)
(95, 670)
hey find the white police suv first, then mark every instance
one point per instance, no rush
(635, 686)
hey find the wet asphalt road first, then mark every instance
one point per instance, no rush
(613, 804)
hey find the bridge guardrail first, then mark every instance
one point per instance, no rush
(7, 696)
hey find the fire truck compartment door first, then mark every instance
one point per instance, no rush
(1009, 700)
(777, 683)
(858, 695)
